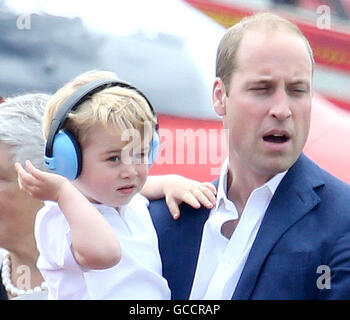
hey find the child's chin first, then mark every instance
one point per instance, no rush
(120, 202)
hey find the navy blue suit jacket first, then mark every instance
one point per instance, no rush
(306, 227)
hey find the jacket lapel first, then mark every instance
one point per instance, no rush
(183, 245)
(294, 198)
(189, 235)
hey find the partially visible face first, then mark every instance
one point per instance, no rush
(17, 210)
(267, 110)
(106, 178)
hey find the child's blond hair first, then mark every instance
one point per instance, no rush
(112, 107)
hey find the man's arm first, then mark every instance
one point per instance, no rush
(334, 278)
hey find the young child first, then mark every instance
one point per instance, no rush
(94, 234)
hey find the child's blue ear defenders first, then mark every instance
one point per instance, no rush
(62, 152)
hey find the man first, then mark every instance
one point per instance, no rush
(281, 225)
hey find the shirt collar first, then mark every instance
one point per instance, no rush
(275, 181)
(272, 184)
(222, 186)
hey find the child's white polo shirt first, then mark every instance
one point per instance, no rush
(136, 277)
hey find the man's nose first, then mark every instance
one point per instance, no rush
(280, 105)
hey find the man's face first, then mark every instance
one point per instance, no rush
(267, 110)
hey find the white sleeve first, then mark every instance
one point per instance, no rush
(53, 238)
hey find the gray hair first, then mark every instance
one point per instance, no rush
(20, 127)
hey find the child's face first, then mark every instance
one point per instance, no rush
(105, 177)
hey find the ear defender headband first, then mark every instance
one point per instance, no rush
(62, 152)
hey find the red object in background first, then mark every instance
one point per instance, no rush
(329, 139)
(190, 147)
(338, 102)
(313, 4)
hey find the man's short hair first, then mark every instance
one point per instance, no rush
(226, 58)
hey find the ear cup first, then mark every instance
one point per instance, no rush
(154, 150)
(66, 157)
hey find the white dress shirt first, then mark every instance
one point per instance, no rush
(136, 277)
(221, 260)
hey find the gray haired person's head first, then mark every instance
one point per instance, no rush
(20, 127)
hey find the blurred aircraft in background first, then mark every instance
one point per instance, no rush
(167, 49)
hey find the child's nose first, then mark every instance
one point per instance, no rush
(129, 171)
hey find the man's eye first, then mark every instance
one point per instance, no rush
(259, 89)
(297, 91)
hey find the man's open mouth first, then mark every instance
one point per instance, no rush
(276, 137)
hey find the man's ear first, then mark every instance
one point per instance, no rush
(219, 97)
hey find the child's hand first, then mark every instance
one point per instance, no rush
(39, 184)
(179, 189)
